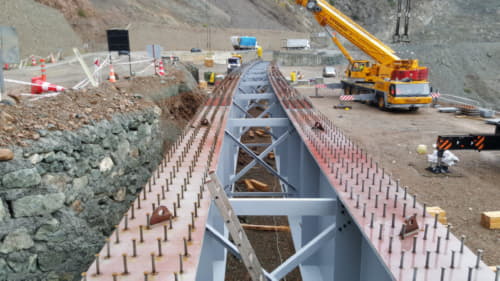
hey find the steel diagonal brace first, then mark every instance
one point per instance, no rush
(268, 109)
(242, 109)
(263, 155)
(232, 248)
(223, 241)
(305, 252)
(256, 157)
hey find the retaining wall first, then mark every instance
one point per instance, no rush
(62, 195)
(305, 59)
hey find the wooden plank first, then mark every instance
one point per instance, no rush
(491, 220)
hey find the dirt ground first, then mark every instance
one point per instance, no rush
(471, 188)
(32, 115)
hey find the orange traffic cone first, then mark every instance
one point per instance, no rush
(161, 72)
(112, 77)
(39, 86)
(33, 61)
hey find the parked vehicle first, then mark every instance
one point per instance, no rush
(195, 50)
(233, 63)
(329, 71)
(244, 42)
(297, 44)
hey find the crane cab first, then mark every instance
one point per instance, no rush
(358, 69)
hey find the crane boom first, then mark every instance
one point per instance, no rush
(357, 35)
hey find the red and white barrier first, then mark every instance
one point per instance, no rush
(347, 98)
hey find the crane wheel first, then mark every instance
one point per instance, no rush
(347, 90)
(380, 102)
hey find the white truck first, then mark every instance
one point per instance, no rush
(295, 44)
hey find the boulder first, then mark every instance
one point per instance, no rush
(36, 205)
(106, 165)
(22, 178)
(17, 240)
(4, 213)
(6, 154)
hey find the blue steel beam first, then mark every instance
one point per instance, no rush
(263, 96)
(284, 206)
(258, 122)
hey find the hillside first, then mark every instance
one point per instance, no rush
(459, 40)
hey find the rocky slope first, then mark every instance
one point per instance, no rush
(459, 40)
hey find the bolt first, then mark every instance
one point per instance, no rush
(426, 229)
(469, 275)
(380, 231)
(462, 240)
(185, 247)
(448, 228)
(401, 262)
(108, 249)
(415, 274)
(134, 248)
(479, 255)
(438, 245)
(159, 246)
(414, 244)
(390, 244)
(443, 270)
(189, 232)
(371, 220)
(141, 234)
(404, 209)
(97, 270)
(165, 233)
(427, 258)
(125, 267)
(452, 259)
(393, 220)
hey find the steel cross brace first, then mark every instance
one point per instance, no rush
(231, 247)
(245, 129)
(262, 155)
(242, 109)
(256, 157)
(305, 252)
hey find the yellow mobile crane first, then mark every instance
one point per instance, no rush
(390, 82)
